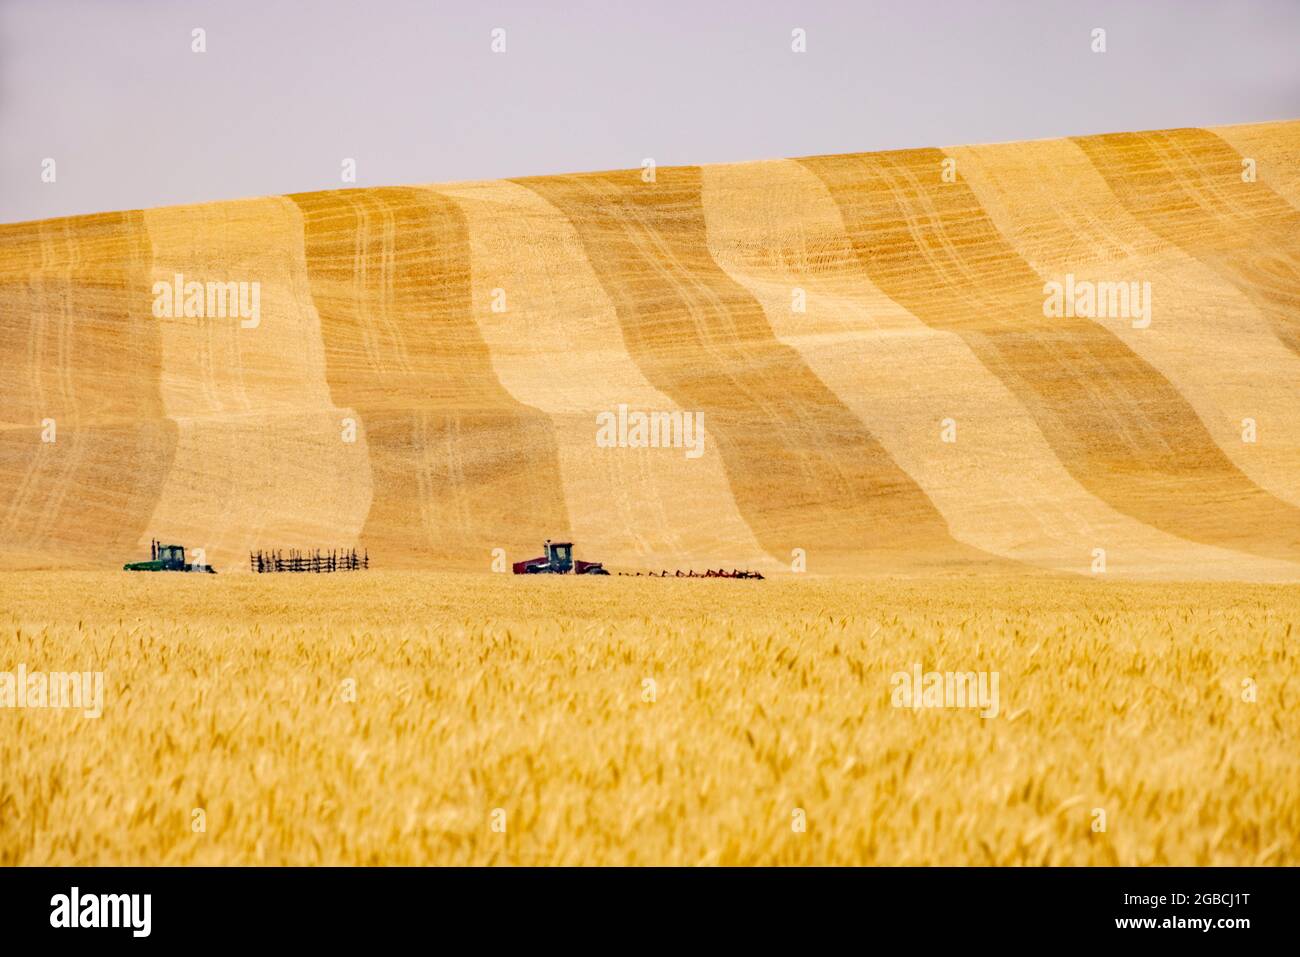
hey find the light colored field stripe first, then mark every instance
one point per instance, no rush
(805, 472)
(1275, 147)
(1121, 429)
(774, 227)
(460, 466)
(1186, 187)
(260, 459)
(213, 366)
(558, 347)
(78, 345)
(1205, 336)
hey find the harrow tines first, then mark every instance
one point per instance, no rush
(692, 573)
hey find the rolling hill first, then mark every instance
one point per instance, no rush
(866, 338)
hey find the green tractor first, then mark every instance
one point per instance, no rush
(166, 558)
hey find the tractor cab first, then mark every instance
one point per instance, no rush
(559, 555)
(557, 559)
(171, 555)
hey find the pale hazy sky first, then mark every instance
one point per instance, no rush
(286, 90)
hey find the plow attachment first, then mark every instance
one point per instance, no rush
(707, 573)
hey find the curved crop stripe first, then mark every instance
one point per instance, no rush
(79, 346)
(1205, 336)
(1275, 150)
(1120, 428)
(76, 305)
(804, 471)
(1186, 186)
(556, 345)
(459, 466)
(260, 461)
(999, 485)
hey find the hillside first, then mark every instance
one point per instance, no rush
(832, 319)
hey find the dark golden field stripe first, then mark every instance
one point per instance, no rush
(459, 466)
(79, 345)
(804, 471)
(1186, 187)
(1120, 428)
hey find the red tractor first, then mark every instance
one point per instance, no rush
(558, 560)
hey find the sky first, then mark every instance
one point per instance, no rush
(113, 92)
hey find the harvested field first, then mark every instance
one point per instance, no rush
(863, 337)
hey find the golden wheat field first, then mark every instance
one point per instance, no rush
(505, 721)
(940, 468)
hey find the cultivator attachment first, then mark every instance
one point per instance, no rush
(707, 573)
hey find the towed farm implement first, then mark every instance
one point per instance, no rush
(316, 561)
(707, 573)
